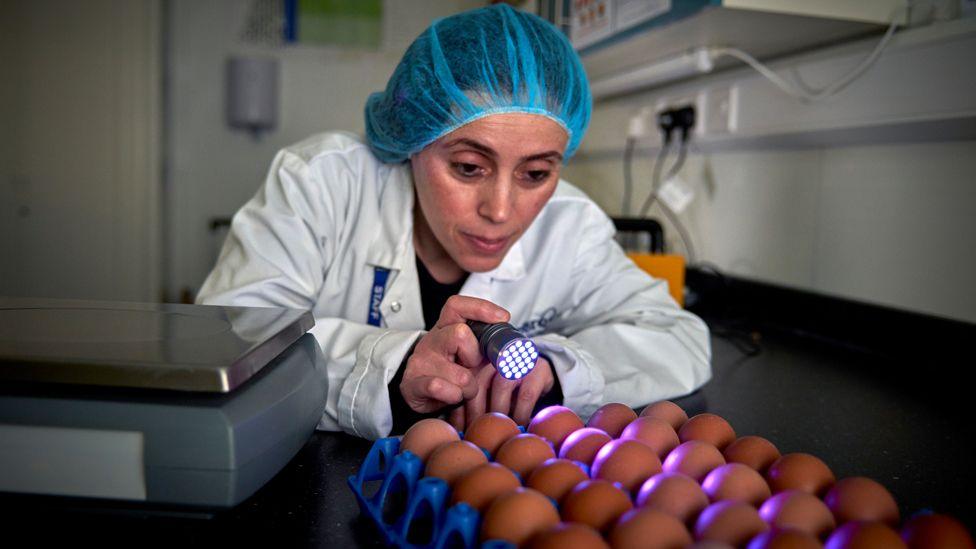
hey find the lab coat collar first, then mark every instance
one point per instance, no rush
(392, 242)
(512, 267)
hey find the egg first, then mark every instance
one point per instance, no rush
(654, 432)
(865, 535)
(582, 445)
(752, 451)
(556, 477)
(452, 460)
(596, 503)
(568, 535)
(481, 485)
(932, 531)
(736, 482)
(490, 431)
(517, 516)
(708, 428)
(784, 539)
(523, 453)
(860, 498)
(709, 544)
(648, 528)
(802, 472)
(793, 509)
(668, 411)
(731, 522)
(674, 493)
(693, 458)
(612, 418)
(554, 424)
(426, 435)
(626, 461)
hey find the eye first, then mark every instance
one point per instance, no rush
(465, 169)
(537, 176)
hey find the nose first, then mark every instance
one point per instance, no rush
(496, 202)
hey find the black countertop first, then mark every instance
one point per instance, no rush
(905, 425)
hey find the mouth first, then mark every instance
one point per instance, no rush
(485, 245)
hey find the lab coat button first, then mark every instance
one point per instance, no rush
(395, 306)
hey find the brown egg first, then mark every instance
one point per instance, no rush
(709, 544)
(481, 485)
(693, 458)
(793, 509)
(784, 539)
(678, 495)
(932, 531)
(556, 477)
(654, 432)
(453, 460)
(626, 461)
(731, 522)
(517, 516)
(736, 482)
(596, 503)
(554, 424)
(490, 431)
(583, 444)
(668, 411)
(568, 535)
(708, 428)
(648, 529)
(865, 535)
(860, 498)
(802, 472)
(523, 453)
(426, 435)
(753, 451)
(612, 418)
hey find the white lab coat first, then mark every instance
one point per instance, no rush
(330, 214)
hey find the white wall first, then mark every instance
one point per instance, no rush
(80, 175)
(886, 223)
(212, 169)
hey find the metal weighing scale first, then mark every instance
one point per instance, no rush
(170, 404)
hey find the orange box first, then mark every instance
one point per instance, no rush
(667, 266)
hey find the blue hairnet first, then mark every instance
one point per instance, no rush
(468, 66)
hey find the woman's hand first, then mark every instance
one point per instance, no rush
(443, 367)
(514, 398)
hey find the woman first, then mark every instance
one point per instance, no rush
(457, 191)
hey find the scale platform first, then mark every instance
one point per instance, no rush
(166, 404)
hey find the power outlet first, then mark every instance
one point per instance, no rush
(698, 99)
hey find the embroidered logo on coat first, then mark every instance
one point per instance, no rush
(539, 324)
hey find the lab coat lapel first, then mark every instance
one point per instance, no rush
(392, 249)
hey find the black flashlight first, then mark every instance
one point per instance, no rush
(509, 350)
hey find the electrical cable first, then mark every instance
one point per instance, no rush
(811, 96)
(628, 175)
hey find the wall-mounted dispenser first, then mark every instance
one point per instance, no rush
(252, 93)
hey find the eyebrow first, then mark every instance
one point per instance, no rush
(491, 152)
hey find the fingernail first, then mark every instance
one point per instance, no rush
(500, 315)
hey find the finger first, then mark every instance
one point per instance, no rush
(461, 308)
(501, 394)
(433, 388)
(475, 407)
(456, 418)
(460, 342)
(527, 395)
(454, 373)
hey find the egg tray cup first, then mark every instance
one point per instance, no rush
(427, 502)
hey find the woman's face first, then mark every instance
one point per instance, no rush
(480, 186)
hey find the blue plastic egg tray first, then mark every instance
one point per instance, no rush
(409, 510)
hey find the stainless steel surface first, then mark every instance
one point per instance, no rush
(145, 345)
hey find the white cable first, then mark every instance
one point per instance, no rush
(827, 91)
